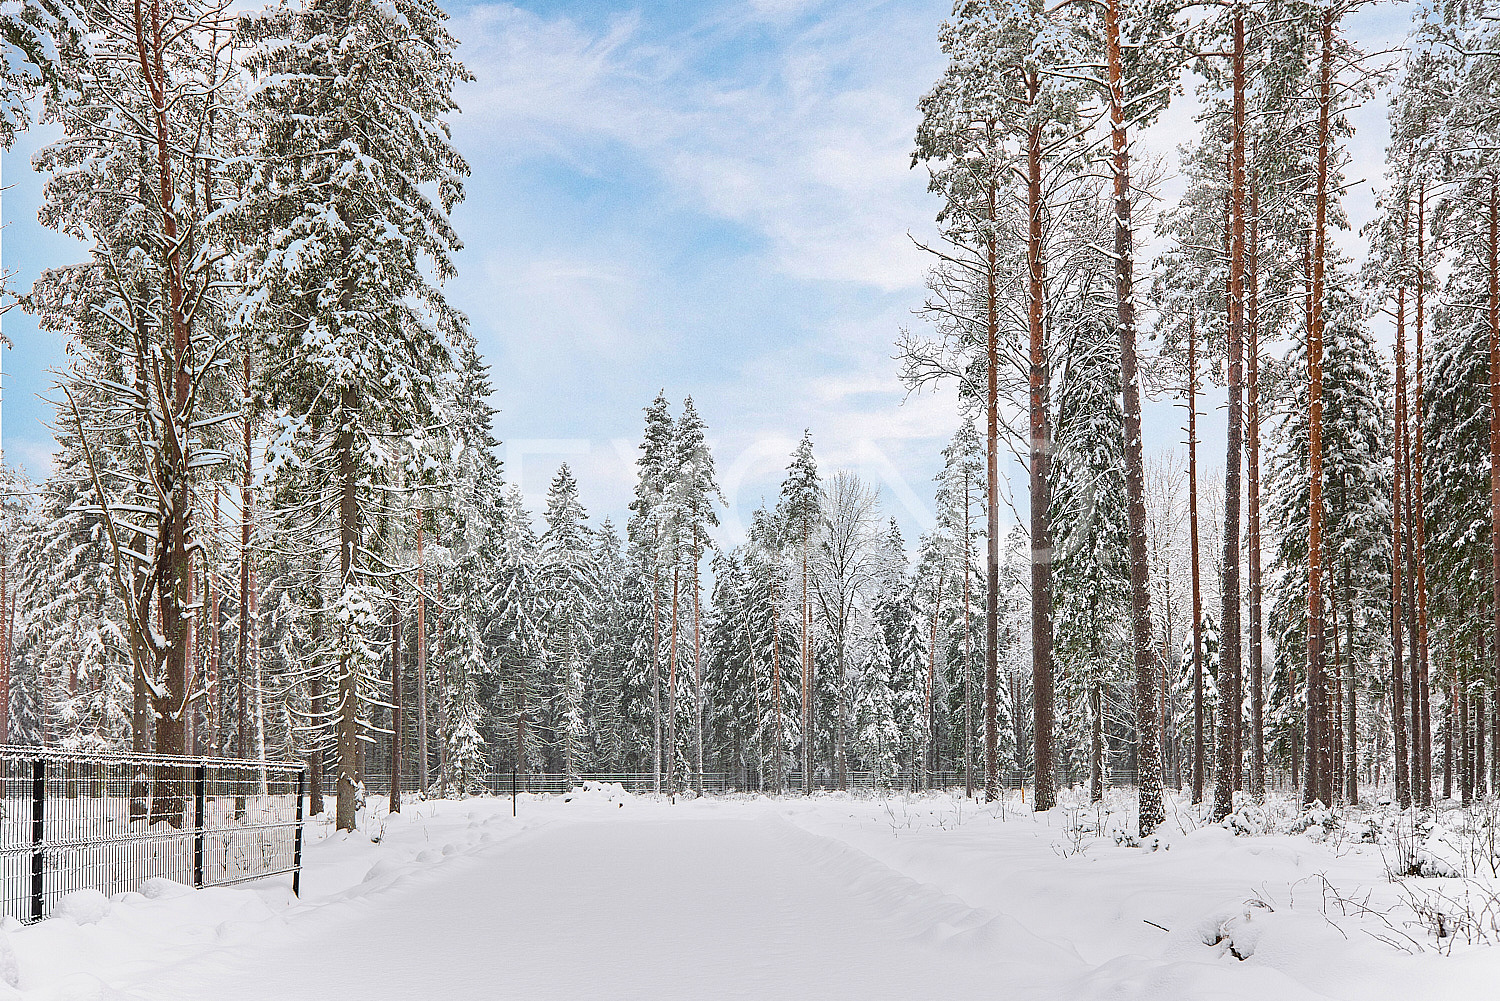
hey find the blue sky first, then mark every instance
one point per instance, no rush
(712, 198)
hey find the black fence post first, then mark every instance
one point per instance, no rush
(200, 799)
(297, 837)
(512, 792)
(38, 835)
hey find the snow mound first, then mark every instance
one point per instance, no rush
(598, 792)
(10, 970)
(85, 907)
(1441, 853)
(1248, 820)
(161, 888)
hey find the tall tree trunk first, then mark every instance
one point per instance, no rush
(672, 687)
(807, 709)
(1398, 569)
(421, 659)
(1226, 778)
(315, 710)
(992, 516)
(1409, 605)
(1494, 325)
(170, 704)
(1193, 557)
(1148, 764)
(968, 652)
(1481, 776)
(348, 701)
(1317, 738)
(1337, 695)
(929, 758)
(1351, 791)
(697, 673)
(398, 706)
(1448, 739)
(1096, 712)
(655, 663)
(780, 776)
(215, 626)
(442, 680)
(1424, 786)
(1465, 747)
(1252, 500)
(1041, 487)
(247, 590)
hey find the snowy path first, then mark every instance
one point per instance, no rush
(603, 896)
(749, 907)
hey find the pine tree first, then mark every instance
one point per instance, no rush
(646, 537)
(136, 174)
(695, 489)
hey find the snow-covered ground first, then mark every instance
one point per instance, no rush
(602, 895)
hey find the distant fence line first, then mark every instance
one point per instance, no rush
(500, 783)
(78, 820)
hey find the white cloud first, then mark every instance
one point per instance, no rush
(808, 147)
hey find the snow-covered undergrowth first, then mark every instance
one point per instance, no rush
(1277, 902)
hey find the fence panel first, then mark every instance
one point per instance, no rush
(70, 821)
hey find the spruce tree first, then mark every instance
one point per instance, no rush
(350, 193)
(800, 512)
(569, 586)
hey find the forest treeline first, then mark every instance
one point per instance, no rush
(278, 526)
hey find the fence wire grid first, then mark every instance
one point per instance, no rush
(78, 820)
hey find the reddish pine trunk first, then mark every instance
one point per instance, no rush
(1316, 785)
(174, 593)
(1148, 763)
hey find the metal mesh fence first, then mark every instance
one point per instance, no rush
(70, 821)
